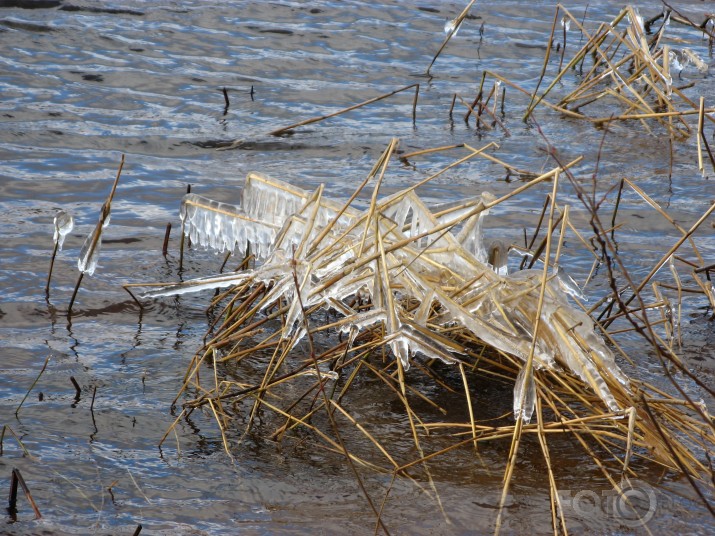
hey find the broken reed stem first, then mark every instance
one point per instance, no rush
(225, 100)
(676, 457)
(283, 130)
(78, 390)
(165, 245)
(531, 105)
(457, 22)
(44, 366)
(327, 403)
(701, 113)
(615, 209)
(431, 150)
(414, 103)
(469, 403)
(16, 479)
(74, 293)
(665, 257)
(476, 99)
(237, 143)
(555, 499)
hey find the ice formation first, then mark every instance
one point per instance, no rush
(222, 226)
(64, 223)
(89, 254)
(315, 252)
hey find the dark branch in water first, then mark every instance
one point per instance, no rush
(167, 234)
(78, 390)
(15, 479)
(225, 98)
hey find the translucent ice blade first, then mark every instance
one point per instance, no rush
(423, 311)
(88, 256)
(428, 343)
(568, 285)
(64, 223)
(525, 388)
(196, 285)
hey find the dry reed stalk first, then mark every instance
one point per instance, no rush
(612, 76)
(456, 23)
(283, 130)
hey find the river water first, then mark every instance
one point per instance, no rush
(84, 82)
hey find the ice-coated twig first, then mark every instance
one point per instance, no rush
(63, 224)
(89, 255)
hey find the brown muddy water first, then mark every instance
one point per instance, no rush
(83, 82)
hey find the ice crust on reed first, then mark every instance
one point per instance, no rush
(89, 255)
(313, 252)
(63, 223)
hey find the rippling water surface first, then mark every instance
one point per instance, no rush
(83, 82)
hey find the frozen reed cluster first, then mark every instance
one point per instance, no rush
(328, 294)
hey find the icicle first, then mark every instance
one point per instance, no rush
(471, 236)
(64, 223)
(426, 343)
(498, 256)
(527, 390)
(361, 321)
(88, 263)
(222, 226)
